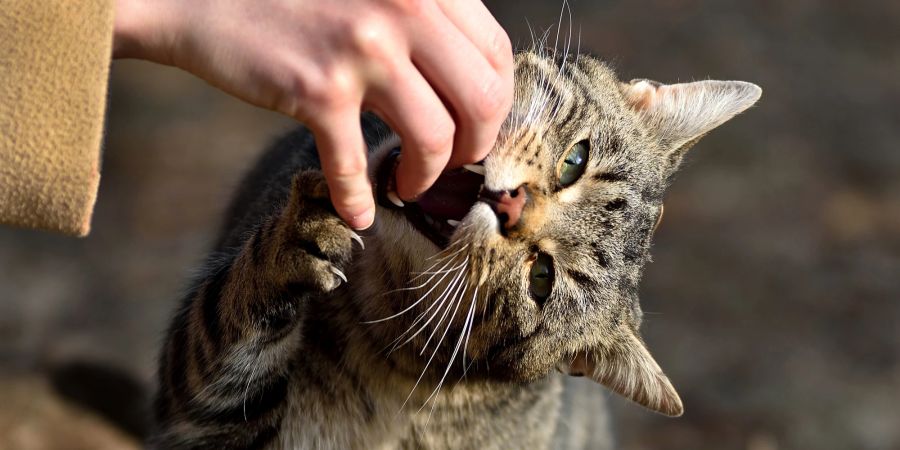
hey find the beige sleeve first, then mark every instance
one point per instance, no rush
(54, 65)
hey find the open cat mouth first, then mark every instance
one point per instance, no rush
(438, 211)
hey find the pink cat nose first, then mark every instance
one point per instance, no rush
(508, 205)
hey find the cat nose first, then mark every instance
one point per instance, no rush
(508, 205)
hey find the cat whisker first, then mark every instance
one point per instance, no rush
(558, 28)
(578, 49)
(425, 272)
(252, 368)
(471, 319)
(456, 294)
(439, 271)
(446, 273)
(446, 250)
(535, 108)
(438, 302)
(459, 342)
(393, 345)
(444, 297)
(542, 108)
(455, 305)
(456, 300)
(449, 299)
(428, 363)
(428, 270)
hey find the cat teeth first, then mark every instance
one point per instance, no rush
(453, 223)
(338, 272)
(358, 239)
(475, 168)
(392, 196)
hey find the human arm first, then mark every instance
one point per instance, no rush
(438, 71)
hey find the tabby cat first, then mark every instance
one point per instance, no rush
(444, 325)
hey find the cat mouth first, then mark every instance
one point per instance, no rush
(438, 212)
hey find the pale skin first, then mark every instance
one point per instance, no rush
(440, 72)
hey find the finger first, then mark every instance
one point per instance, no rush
(412, 108)
(475, 21)
(342, 152)
(479, 97)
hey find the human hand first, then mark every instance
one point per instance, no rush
(440, 72)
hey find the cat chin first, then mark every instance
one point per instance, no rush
(511, 371)
(523, 362)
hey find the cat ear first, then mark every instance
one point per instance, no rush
(627, 368)
(680, 114)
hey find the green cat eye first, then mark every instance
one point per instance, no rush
(573, 165)
(540, 278)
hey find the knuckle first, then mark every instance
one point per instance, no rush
(333, 89)
(352, 204)
(439, 140)
(489, 103)
(348, 204)
(500, 51)
(346, 169)
(315, 92)
(370, 38)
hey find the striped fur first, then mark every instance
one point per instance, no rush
(439, 348)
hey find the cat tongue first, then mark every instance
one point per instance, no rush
(452, 195)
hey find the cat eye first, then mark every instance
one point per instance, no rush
(540, 277)
(574, 163)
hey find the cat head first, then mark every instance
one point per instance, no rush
(534, 256)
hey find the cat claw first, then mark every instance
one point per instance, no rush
(453, 223)
(358, 239)
(392, 196)
(479, 169)
(338, 272)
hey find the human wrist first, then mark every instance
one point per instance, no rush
(145, 30)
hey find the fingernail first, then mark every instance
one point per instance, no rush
(370, 232)
(364, 220)
(412, 199)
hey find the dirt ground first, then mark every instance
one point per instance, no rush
(773, 301)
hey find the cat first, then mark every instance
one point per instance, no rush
(446, 324)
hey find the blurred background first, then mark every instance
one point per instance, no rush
(773, 302)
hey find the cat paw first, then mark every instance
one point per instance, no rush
(324, 238)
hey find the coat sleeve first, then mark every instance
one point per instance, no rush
(54, 68)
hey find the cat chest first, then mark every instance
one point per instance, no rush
(339, 416)
(343, 416)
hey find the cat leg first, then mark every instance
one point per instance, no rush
(227, 361)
